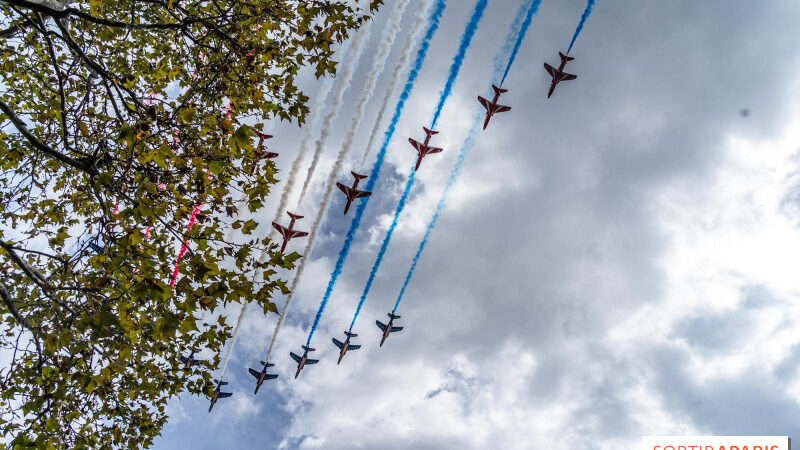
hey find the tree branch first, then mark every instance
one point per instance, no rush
(80, 164)
(66, 12)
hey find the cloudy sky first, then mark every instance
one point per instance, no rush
(621, 259)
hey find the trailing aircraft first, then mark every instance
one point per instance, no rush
(388, 328)
(492, 107)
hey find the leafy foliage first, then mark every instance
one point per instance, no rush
(117, 120)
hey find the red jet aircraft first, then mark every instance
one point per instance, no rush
(351, 192)
(262, 375)
(289, 233)
(388, 328)
(303, 360)
(424, 149)
(265, 155)
(559, 75)
(492, 107)
(346, 345)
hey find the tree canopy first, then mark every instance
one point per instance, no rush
(118, 122)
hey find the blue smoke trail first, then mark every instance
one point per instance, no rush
(433, 25)
(585, 16)
(384, 246)
(469, 142)
(522, 30)
(501, 58)
(455, 67)
(466, 39)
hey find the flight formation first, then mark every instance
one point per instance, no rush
(361, 187)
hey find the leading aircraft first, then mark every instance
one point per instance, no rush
(218, 394)
(351, 192)
(492, 107)
(289, 232)
(262, 375)
(189, 361)
(423, 148)
(559, 75)
(346, 345)
(259, 150)
(303, 360)
(388, 328)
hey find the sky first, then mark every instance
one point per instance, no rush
(618, 260)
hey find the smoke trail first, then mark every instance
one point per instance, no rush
(433, 25)
(469, 31)
(233, 340)
(378, 64)
(584, 16)
(290, 180)
(469, 142)
(416, 27)
(466, 39)
(344, 83)
(520, 36)
(384, 246)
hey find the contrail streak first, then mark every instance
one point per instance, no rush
(466, 39)
(378, 65)
(458, 60)
(523, 29)
(419, 19)
(233, 340)
(433, 25)
(584, 16)
(469, 142)
(338, 97)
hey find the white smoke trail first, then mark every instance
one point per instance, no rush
(343, 83)
(378, 64)
(229, 350)
(411, 42)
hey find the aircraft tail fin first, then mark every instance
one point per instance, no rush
(267, 364)
(498, 90)
(294, 216)
(308, 349)
(358, 176)
(393, 316)
(565, 58)
(349, 334)
(429, 132)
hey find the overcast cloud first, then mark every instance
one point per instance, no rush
(621, 259)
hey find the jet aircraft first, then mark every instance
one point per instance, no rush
(492, 107)
(262, 375)
(351, 192)
(424, 149)
(289, 232)
(559, 75)
(346, 345)
(388, 328)
(189, 361)
(303, 360)
(259, 152)
(218, 394)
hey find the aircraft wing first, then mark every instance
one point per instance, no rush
(550, 69)
(343, 188)
(568, 76)
(225, 394)
(434, 150)
(380, 325)
(360, 194)
(271, 377)
(253, 372)
(337, 343)
(503, 108)
(484, 102)
(312, 361)
(298, 234)
(354, 347)
(414, 143)
(281, 229)
(396, 329)
(295, 357)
